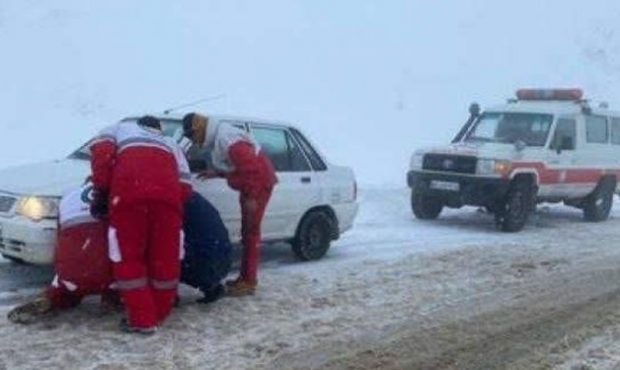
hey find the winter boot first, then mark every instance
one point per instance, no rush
(31, 311)
(125, 327)
(240, 288)
(110, 302)
(212, 294)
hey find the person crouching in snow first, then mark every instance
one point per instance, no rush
(208, 251)
(238, 158)
(83, 268)
(81, 261)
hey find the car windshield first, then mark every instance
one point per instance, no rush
(172, 128)
(502, 127)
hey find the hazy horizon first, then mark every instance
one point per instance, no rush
(368, 81)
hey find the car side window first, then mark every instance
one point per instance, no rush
(313, 156)
(199, 158)
(280, 147)
(596, 129)
(565, 135)
(615, 131)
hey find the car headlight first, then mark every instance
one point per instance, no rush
(492, 167)
(416, 161)
(38, 208)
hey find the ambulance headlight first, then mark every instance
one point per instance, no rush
(492, 167)
(38, 208)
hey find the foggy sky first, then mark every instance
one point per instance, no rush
(368, 81)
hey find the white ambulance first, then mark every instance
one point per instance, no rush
(543, 146)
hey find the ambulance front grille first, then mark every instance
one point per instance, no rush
(450, 163)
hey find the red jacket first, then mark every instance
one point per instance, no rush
(238, 157)
(136, 163)
(81, 261)
(252, 171)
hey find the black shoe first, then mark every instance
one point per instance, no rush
(125, 327)
(212, 294)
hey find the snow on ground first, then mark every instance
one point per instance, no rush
(390, 272)
(599, 353)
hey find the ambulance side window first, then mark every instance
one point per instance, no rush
(565, 135)
(615, 131)
(596, 129)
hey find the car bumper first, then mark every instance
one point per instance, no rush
(30, 241)
(472, 190)
(346, 213)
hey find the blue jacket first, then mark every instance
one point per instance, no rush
(205, 233)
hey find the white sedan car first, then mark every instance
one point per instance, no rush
(312, 204)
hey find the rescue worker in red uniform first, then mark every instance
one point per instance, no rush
(81, 263)
(142, 179)
(238, 158)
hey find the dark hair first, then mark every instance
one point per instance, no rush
(187, 125)
(149, 121)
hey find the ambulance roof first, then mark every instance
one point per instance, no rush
(550, 107)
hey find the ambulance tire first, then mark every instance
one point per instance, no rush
(597, 205)
(425, 207)
(513, 213)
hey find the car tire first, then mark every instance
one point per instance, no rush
(424, 207)
(314, 236)
(513, 212)
(15, 260)
(597, 205)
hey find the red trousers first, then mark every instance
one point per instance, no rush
(145, 243)
(252, 212)
(62, 298)
(81, 264)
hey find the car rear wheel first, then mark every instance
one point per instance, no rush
(597, 205)
(424, 207)
(314, 236)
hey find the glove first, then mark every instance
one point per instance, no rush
(99, 204)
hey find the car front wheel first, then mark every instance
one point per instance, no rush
(314, 236)
(513, 212)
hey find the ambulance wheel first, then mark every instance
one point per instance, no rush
(314, 236)
(16, 260)
(513, 213)
(424, 207)
(597, 205)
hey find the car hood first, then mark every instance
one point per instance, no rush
(46, 179)
(480, 150)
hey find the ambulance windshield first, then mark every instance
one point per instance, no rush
(508, 127)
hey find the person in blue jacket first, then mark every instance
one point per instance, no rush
(208, 250)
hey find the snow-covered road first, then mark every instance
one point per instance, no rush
(393, 293)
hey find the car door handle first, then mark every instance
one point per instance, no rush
(306, 180)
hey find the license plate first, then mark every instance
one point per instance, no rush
(445, 185)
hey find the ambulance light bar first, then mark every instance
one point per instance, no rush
(550, 94)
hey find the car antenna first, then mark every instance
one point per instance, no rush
(196, 102)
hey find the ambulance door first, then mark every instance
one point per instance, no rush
(561, 161)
